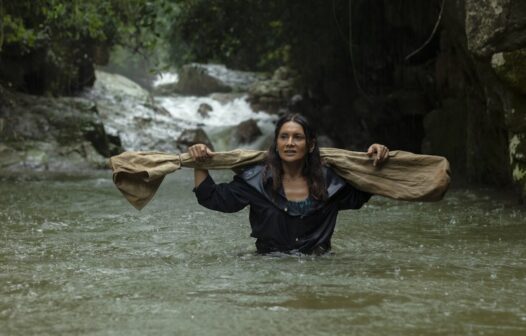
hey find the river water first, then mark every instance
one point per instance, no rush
(75, 258)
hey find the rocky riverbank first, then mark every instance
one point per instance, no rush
(58, 134)
(78, 133)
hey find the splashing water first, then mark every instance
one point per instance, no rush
(128, 112)
(75, 258)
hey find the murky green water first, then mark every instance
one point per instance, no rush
(75, 258)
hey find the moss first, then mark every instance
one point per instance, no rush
(517, 146)
(36, 157)
(516, 114)
(510, 67)
(519, 171)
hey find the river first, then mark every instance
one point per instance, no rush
(76, 258)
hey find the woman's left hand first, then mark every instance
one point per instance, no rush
(381, 151)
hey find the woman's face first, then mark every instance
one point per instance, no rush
(291, 142)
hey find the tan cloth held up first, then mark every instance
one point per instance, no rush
(404, 176)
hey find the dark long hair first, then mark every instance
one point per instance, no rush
(312, 169)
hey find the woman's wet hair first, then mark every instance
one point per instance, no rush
(312, 168)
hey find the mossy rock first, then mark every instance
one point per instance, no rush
(510, 67)
(517, 147)
(9, 156)
(519, 175)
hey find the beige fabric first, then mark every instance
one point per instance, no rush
(404, 176)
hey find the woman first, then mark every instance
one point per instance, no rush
(293, 198)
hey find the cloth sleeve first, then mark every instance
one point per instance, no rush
(224, 197)
(352, 198)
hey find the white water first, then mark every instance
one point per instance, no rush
(222, 119)
(165, 78)
(128, 113)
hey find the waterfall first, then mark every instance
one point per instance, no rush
(146, 122)
(223, 119)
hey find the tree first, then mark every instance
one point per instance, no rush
(50, 46)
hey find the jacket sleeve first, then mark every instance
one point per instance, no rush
(224, 197)
(352, 198)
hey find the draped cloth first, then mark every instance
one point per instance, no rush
(404, 176)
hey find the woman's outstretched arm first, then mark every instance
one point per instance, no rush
(200, 152)
(225, 197)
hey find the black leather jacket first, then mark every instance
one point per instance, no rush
(274, 225)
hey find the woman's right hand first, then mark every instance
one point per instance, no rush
(200, 152)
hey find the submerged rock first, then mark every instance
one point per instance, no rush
(246, 132)
(191, 137)
(204, 110)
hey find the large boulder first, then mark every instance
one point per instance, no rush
(204, 79)
(469, 103)
(198, 80)
(131, 114)
(272, 95)
(510, 68)
(52, 133)
(246, 132)
(119, 87)
(494, 25)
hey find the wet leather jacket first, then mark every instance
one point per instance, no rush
(276, 227)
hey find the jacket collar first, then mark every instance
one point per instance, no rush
(256, 177)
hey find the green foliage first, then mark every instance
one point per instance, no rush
(31, 24)
(242, 34)
(61, 39)
(311, 36)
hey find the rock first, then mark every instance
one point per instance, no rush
(495, 30)
(225, 98)
(510, 67)
(44, 133)
(205, 79)
(119, 87)
(272, 95)
(246, 132)
(9, 156)
(191, 137)
(204, 109)
(130, 114)
(198, 80)
(168, 89)
(159, 110)
(494, 25)
(283, 73)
